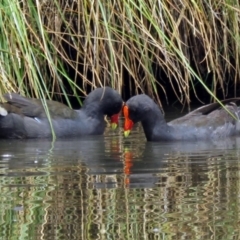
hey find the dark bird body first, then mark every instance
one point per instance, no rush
(22, 117)
(207, 122)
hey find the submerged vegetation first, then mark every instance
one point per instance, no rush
(61, 47)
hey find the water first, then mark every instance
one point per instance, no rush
(107, 187)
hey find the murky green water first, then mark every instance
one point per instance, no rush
(107, 187)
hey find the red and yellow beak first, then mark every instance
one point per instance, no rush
(128, 123)
(114, 121)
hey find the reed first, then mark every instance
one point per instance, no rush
(61, 47)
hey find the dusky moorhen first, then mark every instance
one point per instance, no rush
(22, 117)
(207, 122)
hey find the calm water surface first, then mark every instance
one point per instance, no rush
(107, 187)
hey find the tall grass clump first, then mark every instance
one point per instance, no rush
(50, 47)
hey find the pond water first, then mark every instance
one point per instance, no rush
(108, 187)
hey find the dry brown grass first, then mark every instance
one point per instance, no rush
(103, 42)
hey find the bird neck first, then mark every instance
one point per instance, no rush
(92, 109)
(155, 123)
